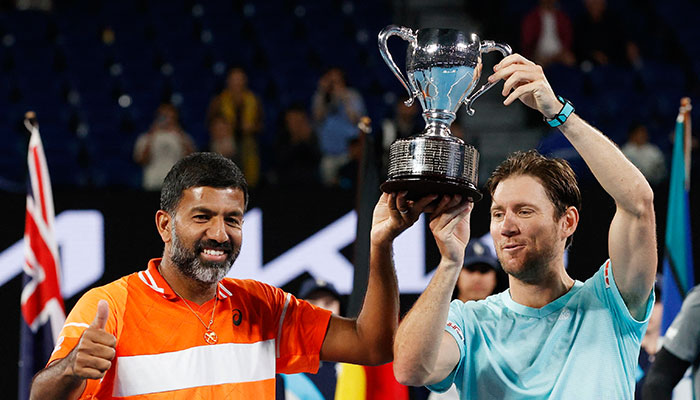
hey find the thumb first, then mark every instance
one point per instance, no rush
(102, 314)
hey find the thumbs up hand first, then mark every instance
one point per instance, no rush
(93, 355)
(101, 316)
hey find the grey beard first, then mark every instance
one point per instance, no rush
(193, 267)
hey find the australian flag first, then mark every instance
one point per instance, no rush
(43, 312)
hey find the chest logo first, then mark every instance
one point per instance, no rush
(237, 317)
(565, 315)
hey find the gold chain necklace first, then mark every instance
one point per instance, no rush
(209, 336)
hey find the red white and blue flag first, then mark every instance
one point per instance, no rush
(43, 312)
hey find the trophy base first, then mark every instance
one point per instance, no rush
(422, 186)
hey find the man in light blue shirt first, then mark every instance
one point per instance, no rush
(547, 336)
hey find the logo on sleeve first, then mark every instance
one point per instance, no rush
(671, 332)
(455, 328)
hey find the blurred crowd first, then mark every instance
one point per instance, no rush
(317, 141)
(625, 74)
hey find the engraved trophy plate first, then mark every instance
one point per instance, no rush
(443, 68)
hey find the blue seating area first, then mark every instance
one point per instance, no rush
(95, 71)
(614, 96)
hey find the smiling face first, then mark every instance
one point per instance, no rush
(528, 236)
(204, 236)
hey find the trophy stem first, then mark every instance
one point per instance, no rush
(437, 123)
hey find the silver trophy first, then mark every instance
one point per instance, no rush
(443, 66)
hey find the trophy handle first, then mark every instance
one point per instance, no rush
(407, 35)
(487, 46)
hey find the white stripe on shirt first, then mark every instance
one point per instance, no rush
(225, 291)
(279, 327)
(194, 367)
(78, 324)
(148, 280)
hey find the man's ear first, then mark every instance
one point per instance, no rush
(569, 221)
(163, 223)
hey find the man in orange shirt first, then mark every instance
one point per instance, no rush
(180, 330)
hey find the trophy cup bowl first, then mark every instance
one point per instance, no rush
(443, 68)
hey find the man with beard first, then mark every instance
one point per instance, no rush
(181, 330)
(548, 336)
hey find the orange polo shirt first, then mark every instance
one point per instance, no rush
(161, 352)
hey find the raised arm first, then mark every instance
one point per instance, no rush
(367, 340)
(632, 236)
(423, 352)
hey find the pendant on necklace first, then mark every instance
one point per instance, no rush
(210, 337)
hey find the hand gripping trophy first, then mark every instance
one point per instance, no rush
(443, 68)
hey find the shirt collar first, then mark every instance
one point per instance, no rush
(152, 278)
(544, 311)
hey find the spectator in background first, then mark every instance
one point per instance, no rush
(38, 5)
(305, 386)
(337, 109)
(348, 173)
(221, 137)
(339, 381)
(481, 274)
(241, 108)
(547, 35)
(457, 130)
(599, 38)
(644, 155)
(680, 350)
(635, 59)
(404, 123)
(322, 294)
(162, 146)
(297, 156)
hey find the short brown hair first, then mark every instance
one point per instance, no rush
(200, 169)
(555, 174)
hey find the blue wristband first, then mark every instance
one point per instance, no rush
(563, 114)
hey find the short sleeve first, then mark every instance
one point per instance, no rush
(607, 290)
(456, 327)
(301, 330)
(682, 338)
(80, 318)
